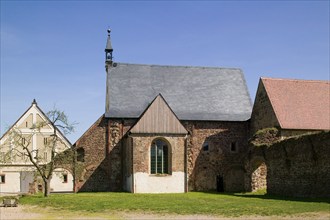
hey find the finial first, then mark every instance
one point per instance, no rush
(108, 49)
(34, 102)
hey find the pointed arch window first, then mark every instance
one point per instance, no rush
(159, 157)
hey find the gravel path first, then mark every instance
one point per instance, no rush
(34, 213)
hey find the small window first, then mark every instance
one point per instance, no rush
(26, 124)
(23, 141)
(206, 146)
(45, 156)
(2, 178)
(65, 178)
(45, 141)
(81, 155)
(233, 147)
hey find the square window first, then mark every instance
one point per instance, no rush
(2, 178)
(233, 147)
(65, 178)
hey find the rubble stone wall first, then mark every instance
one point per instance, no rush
(207, 165)
(263, 115)
(298, 166)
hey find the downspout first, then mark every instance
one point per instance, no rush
(186, 164)
(132, 153)
(122, 145)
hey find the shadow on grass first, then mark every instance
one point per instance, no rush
(271, 197)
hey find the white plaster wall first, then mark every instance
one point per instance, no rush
(146, 183)
(57, 184)
(12, 183)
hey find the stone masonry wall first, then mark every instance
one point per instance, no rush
(206, 168)
(102, 144)
(263, 115)
(106, 164)
(298, 166)
(141, 152)
(94, 175)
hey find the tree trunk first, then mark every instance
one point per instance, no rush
(46, 187)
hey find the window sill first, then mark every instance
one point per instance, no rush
(160, 175)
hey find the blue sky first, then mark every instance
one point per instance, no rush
(53, 51)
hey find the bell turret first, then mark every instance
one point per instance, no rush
(108, 49)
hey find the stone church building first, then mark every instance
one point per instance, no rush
(167, 129)
(174, 129)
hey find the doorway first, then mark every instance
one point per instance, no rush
(220, 187)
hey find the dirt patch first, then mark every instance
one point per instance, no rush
(19, 212)
(35, 213)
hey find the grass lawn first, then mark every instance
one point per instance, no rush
(191, 203)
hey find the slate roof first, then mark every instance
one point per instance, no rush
(193, 93)
(300, 104)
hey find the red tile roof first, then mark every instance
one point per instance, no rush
(300, 104)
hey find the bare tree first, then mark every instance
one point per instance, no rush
(20, 146)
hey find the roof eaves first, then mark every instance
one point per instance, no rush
(16, 122)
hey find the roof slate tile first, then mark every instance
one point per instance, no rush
(193, 93)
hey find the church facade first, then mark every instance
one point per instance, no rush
(167, 129)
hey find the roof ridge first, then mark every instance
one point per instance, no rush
(181, 66)
(297, 80)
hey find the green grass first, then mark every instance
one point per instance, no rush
(189, 203)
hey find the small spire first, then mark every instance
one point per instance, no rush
(34, 102)
(108, 49)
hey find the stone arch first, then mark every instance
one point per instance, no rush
(258, 174)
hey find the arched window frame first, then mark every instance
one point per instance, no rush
(160, 164)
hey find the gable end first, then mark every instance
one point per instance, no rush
(158, 118)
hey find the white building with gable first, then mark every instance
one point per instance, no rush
(17, 173)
